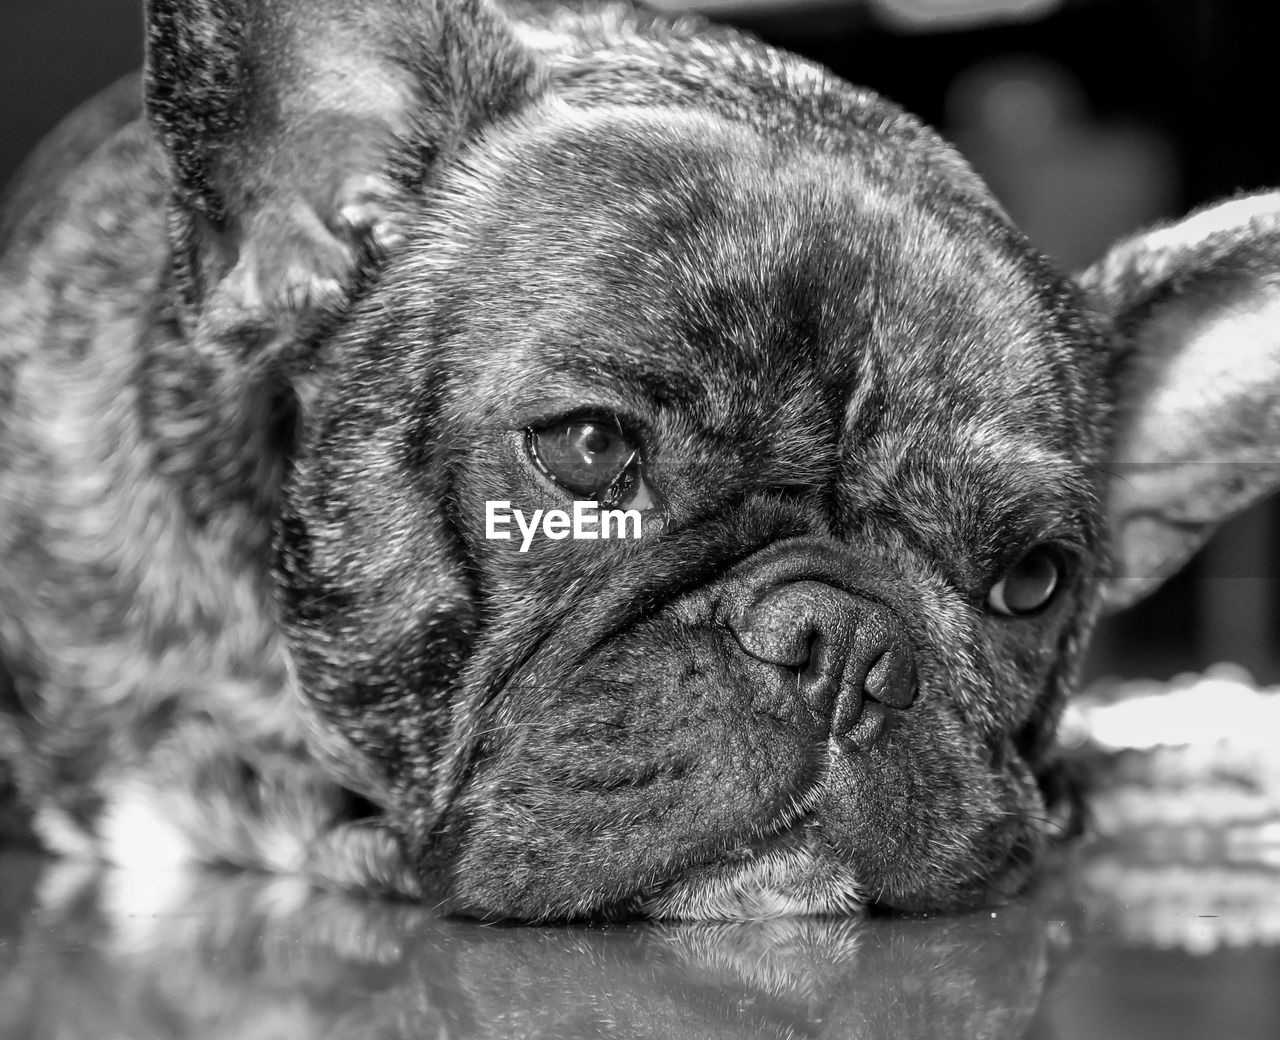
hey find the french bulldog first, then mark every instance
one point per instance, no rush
(282, 324)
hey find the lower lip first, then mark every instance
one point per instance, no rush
(787, 875)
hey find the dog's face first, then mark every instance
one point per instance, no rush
(824, 672)
(863, 424)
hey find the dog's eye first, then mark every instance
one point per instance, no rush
(1028, 585)
(584, 456)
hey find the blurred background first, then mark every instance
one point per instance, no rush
(1089, 118)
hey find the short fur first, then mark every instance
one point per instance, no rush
(266, 352)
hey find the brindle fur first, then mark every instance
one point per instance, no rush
(265, 353)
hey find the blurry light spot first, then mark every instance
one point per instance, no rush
(941, 14)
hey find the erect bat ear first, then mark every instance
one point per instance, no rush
(298, 133)
(1196, 309)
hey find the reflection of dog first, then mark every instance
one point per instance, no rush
(226, 956)
(267, 357)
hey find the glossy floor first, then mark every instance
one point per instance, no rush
(1102, 952)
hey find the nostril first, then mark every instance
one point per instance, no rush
(803, 658)
(892, 678)
(808, 652)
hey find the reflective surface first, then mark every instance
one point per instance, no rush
(1109, 948)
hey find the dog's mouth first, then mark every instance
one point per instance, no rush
(787, 873)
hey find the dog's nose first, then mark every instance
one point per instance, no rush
(843, 647)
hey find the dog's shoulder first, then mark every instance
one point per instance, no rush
(82, 229)
(102, 145)
(59, 156)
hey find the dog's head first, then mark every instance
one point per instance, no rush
(876, 446)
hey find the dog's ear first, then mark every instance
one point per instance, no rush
(298, 133)
(1196, 382)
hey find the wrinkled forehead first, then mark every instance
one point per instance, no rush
(680, 258)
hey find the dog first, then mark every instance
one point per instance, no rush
(275, 343)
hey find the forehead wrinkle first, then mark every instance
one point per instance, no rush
(1000, 442)
(766, 194)
(979, 473)
(942, 313)
(636, 374)
(732, 256)
(775, 226)
(1048, 490)
(965, 343)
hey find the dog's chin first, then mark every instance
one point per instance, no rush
(742, 823)
(784, 875)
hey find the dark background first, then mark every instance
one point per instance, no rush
(1088, 117)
